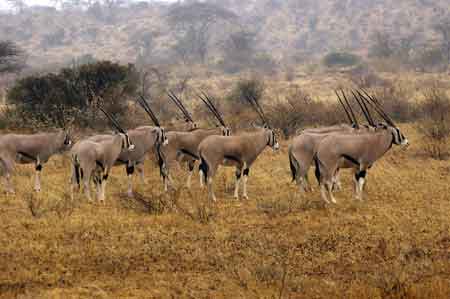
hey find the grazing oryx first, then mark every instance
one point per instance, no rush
(304, 146)
(183, 146)
(91, 159)
(145, 139)
(25, 149)
(360, 151)
(239, 151)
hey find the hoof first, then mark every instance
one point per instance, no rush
(130, 194)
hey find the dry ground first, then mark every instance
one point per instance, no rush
(278, 244)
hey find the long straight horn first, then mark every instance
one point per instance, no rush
(113, 121)
(363, 107)
(180, 106)
(367, 110)
(214, 110)
(345, 109)
(144, 104)
(350, 108)
(378, 108)
(256, 107)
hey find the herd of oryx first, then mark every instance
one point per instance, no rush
(328, 149)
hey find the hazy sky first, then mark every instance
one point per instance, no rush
(4, 3)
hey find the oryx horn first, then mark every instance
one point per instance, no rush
(345, 109)
(144, 104)
(350, 108)
(180, 105)
(207, 101)
(113, 121)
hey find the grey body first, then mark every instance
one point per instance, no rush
(94, 160)
(360, 151)
(145, 139)
(238, 151)
(183, 147)
(304, 147)
(27, 149)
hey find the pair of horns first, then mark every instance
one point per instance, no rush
(115, 124)
(144, 104)
(180, 105)
(376, 104)
(208, 102)
(254, 103)
(349, 112)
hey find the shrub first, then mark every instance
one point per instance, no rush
(251, 88)
(340, 59)
(435, 125)
(52, 99)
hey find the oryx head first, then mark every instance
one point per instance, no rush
(127, 144)
(272, 140)
(161, 137)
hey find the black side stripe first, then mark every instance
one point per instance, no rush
(27, 156)
(232, 158)
(351, 159)
(183, 151)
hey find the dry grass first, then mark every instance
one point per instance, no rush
(278, 244)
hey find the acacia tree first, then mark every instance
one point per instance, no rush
(193, 22)
(11, 57)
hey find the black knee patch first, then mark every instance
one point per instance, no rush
(246, 171)
(191, 166)
(361, 174)
(105, 177)
(130, 170)
(38, 167)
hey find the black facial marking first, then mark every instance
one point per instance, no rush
(238, 174)
(246, 171)
(191, 166)
(38, 167)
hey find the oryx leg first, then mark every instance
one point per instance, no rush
(7, 170)
(360, 178)
(246, 172)
(211, 170)
(37, 180)
(238, 180)
(191, 166)
(130, 171)
(140, 169)
(104, 180)
(337, 181)
(87, 184)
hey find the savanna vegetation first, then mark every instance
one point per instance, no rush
(57, 65)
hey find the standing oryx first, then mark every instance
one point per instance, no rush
(239, 151)
(360, 151)
(304, 146)
(92, 159)
(183, 146)
(144, 139)
(25, 149)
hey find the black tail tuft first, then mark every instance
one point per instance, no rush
(204, 168)
(293, 168)
(78, 171)
(317, 171)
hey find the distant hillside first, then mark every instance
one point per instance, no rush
(282, 28)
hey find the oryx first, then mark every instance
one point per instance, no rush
(33, 148)
(94, 159)
(183, 146)
(144, 139)
(359, 151)
(304, 146)
(239, 151)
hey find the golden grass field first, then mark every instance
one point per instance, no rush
(277, 244)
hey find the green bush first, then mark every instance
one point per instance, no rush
(340, 59)
(72, 93)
